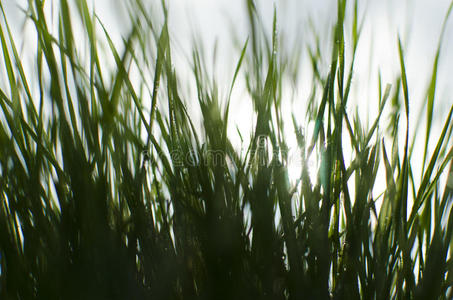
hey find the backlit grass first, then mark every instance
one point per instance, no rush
(111, 189)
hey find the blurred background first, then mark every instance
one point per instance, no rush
(221, 28)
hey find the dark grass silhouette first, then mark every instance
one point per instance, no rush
(103, 196)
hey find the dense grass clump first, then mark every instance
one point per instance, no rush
(111, 189)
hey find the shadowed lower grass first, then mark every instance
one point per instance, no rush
(110, 189)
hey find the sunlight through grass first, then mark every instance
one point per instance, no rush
(131, 170)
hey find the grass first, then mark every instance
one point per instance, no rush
(111, 189)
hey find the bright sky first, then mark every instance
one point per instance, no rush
(417, 21)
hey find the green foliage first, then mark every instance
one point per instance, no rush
(111, 189)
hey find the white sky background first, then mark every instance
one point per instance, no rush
(418, 22)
